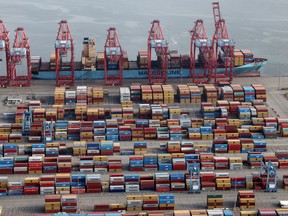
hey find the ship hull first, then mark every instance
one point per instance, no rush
(252, 69)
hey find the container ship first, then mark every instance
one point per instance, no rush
(209, 61)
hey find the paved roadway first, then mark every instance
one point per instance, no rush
(278, 106)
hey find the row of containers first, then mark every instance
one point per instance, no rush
(82, 94)
(174, 160)
(139, 130)
(61, 203)
(195, 94)
(140, 203)
(66, 183)
(209, 212)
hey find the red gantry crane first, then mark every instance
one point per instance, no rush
(64, 56)
(200, 40)
(157, 74)
(113, 59)
(221, 40)
(4, 55)
(20, 60)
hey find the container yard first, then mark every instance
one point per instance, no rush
(141, 139)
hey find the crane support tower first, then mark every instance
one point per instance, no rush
(64, 56)
(194, 172)
(157, 74)
(113, 59)
(20, 60)
(221, 41)
(47, 131)
(4, 55)
(26, 122)
(269, 172)
(199, 40)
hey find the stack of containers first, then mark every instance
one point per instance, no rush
(134, 203)
(214, 201)
(3, 185)
(116, 183)
(273, 159)
(98, 95)
(115, 165)
(234, 146)
(150, 133)
(259, 145)
(35, 164)
(86, 131)
(166, 201)
(147, 182)
(106, 147)
(210, 93)
(47, 184)
(69, 203)
(52, 149)
(183, 93)
(78, 183)
(74, 130)
(147, 94)
(100, 60)
(21, 164)
(136, 163)
(270, 132)
(168, 94)
(64, 163)
(282, 156)
(206, 161)
(243, 113)
(248, 56)
(10, 149)
(150, 162)
(38, 149)
(62, 183)
(15, 188)
(249, 93)
(254, 159)
(195, 94)
(178, 161)
(238, 182)
(177, 181)
(226, 93)
(206, 133)
(221, 163)
(31, 186)
(142, 59)
(52, 203)
(124, 94)
(194, 134)
(6, 165)
(59, 96)
(150, 202)
(223, 181)
(99, 130)
(246, 199)
(81, 111)
(135, 92)
(116, 113)
(79, 148)
(70, 97)
(164, 162)
(238, 58)
(285, 181)
(235, 163)
(267, 211)
(247, 145)
(144, 111)
(50, 165)
(262, 111)
(81, 94)
(61, 130)
(38, 115)
(162, 182)
(132, 183)
(86, 164)
(220, 146)
(93, 148)
(140, 148)
(93, 183)
(238, 92)
(157, 92)
(260, 92)
(100, 163)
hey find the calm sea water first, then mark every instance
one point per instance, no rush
(258, 25)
